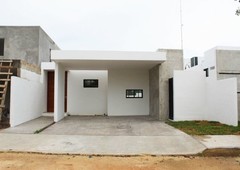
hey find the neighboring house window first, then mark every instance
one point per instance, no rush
(134, 93)
(90, 83)
(207, 72)
(194, 61)
(1, 46)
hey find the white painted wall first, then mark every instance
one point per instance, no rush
(29, 75)
(189, 98)
(199, 98)
(26, 100)
(87, 101)
(48, 66)
(221, 100)
(210, 61)
(107, 55)
(118, 82)
(45, 67)
(59, 85)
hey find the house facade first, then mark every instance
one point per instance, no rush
(222, 63)
(209, 87)
(91, 83)
(123, 83)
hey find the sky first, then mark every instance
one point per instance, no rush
(129, 25)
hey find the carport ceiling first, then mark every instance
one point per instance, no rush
(103, 60)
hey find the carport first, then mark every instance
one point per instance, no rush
(127, 72)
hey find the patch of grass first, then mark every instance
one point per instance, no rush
(205, 128)
(37, 132)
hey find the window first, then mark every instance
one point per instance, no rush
(1, 46)
(134, 93)
(90, 83)
(206, 70)
(194, 61)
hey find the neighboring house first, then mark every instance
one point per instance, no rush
(220, 65)
(26, 47)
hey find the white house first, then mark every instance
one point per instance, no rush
(103, 82)
(209, 90)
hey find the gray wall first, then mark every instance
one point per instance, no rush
(158, 83)
(20, 43)
(28, 43)
(228, 64)
(154, 92)
(174, 62)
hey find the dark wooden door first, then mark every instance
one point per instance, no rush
(50, 92)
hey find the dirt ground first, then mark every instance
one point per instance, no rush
(29, 161)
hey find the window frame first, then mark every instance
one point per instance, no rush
(134, 95)
(86, 85)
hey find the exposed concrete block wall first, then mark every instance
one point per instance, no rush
(154, 92)
(174, 62)
(28, 43)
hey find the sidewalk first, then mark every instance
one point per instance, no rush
(219, 141)
(101, 145)
(115, 145)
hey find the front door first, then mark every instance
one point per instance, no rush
(50, 92)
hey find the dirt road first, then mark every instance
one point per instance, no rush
(26, 161)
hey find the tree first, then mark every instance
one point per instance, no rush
(238, 10)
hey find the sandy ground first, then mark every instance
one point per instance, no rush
(27, 161)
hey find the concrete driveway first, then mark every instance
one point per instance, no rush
(111, 126)
(104, 136)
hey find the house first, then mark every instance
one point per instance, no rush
(211, 87)
(222, 63)
(113, 83)
(26, 47)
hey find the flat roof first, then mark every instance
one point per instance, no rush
(107, 59)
